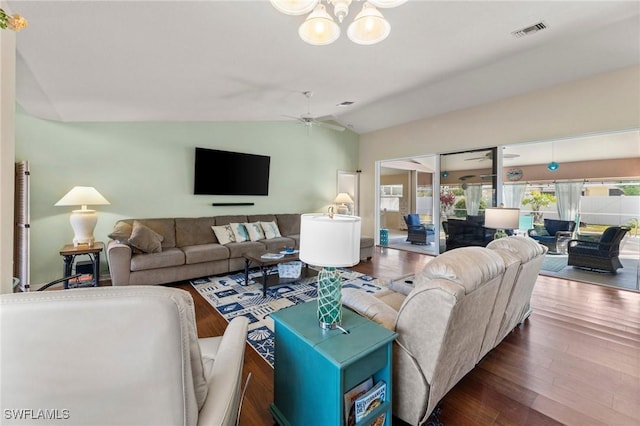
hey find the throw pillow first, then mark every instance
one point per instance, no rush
(224, 234)
(255, 231)
(541, 231)
(121, 232)
(145, 238)
(270, 230)
(239, 232)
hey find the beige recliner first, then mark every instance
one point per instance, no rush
(441, 320)
(116, 356)
(530, 255)
(459, 307)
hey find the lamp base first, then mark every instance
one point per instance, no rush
(329, 298)
(83, 223)
(343, 209)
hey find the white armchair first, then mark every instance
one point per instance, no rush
(116, 356)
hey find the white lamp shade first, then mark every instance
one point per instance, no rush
(369, 26)
(82, 196)
(343, 198)
(319, 28)
(501, 218)
(294, 7)
(326, 241)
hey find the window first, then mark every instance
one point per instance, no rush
(391, 190)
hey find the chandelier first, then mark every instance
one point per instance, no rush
(13, 22)
(319, 28)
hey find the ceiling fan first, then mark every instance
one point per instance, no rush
(309, 120)
(489, 156)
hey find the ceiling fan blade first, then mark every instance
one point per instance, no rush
(476, 158)
(331, 126)
(511, 156)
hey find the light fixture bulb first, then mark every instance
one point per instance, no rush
(369, 26)
(340, 8)
(294, 7)
(445, 174)
(319, 28)
(553, 166)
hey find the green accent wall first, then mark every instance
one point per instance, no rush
(145, 169)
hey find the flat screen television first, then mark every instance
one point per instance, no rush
(230, 173)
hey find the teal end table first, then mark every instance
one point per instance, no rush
(314, 368)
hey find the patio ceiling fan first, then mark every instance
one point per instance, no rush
(489, 156)
(309, 120)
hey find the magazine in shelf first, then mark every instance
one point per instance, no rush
(350, 398)
(379, 421)
(371, 400)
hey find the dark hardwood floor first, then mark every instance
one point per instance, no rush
(575, 361)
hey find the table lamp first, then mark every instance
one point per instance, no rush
(83, 221)
(343, 199)
(501, 218)
(329, 241)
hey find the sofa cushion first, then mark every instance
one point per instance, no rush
(166, 258)
(555, 225)
(469, 267)
(523, 248)
(541, 231)
(121, 232)
(164, 227)
(225, 220)
(193, 231)
(261, 218)
(275, 245)
(270, 230)
(239, 232)
(205, 253)
(145, 239)
(289, 224)
(224, 234)
(254, 230)
(240, 249)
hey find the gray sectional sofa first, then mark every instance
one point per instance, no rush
(159, 251)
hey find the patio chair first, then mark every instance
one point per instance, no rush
(601, 255)
(552, 232)
(418, 233)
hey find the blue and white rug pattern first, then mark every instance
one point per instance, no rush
(232, 297)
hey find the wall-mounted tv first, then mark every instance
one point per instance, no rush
(230, 173)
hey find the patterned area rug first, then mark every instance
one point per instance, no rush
(231, 296)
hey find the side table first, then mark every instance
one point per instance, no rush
(314, 368)
(69, 254)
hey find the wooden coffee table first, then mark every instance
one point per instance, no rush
(254, 258)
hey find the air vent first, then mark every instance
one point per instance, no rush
(529, 30)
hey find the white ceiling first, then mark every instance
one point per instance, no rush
(243, 61)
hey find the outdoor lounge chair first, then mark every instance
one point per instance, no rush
(601, 255)
(418, 233)
(553, 231)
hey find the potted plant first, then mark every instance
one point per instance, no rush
(447, 200)
(537, 200)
